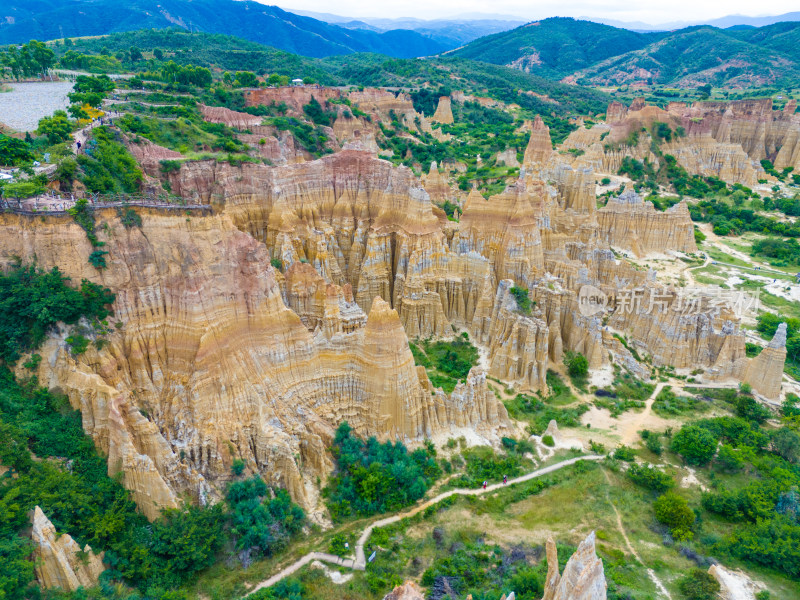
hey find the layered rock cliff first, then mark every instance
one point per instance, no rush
(210, 364)
(629, 222)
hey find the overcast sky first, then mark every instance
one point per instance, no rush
(662, 11)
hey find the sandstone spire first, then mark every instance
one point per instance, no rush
(60, 561)
(583, 577)
(765, 371)
(540, 146)
(444, 113)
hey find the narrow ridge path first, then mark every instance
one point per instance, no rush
(359, 563)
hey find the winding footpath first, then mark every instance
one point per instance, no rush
(359, 562)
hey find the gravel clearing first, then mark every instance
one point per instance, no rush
(26, 103)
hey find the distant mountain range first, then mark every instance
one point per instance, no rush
(739, 21)
(595, 54)
(22, 20)
(573, 50)
(451, 32)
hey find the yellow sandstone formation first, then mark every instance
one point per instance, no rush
(60, 562)
(583, 577)
(444, 113)
(765, 371)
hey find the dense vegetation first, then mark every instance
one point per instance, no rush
(447, 363)
(32, 302)
(372, 477)
(557, 46)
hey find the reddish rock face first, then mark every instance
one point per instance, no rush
(294, 97)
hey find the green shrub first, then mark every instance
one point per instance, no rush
(482, 464)
(699, 585)
(547, 440)
(653, 443)
(78, 344)
(695, 444)
(751, 409)
(524, 303)
(237, 466)
(651, 478)
(337, 545)
(624, 453)
(673, 511)
(728, 460)
(98, 259)
(129, 218)
(277, 263)
(107, 165)
(576, 363)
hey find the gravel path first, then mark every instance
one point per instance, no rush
(26, 103)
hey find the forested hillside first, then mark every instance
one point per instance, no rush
(51, 19)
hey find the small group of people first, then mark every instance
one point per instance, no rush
(505, 481)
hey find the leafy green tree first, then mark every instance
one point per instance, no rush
(673, 511)
(246, 79)
(576, 363)
(751, 409)
(14, 152)
(786, 444)
(695, 444)
(57, 128)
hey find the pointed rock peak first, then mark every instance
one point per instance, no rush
(381, 314)
(474, 200)
(434, 168)
(779, 339)
(638, 103)
(40, 520)
(538, 124)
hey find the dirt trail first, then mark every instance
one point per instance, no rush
(650, 573)
(631, 429)
(360, 562)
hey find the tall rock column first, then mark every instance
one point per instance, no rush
(540, 146)
(765, 371)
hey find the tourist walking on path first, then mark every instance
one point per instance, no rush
(484, 484)
(505, 479)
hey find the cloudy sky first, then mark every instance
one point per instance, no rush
(649, 11)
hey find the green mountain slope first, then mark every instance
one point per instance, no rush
(231, 54)
(781, 37)
(21, 20)
(695, 56)
(555, 47)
